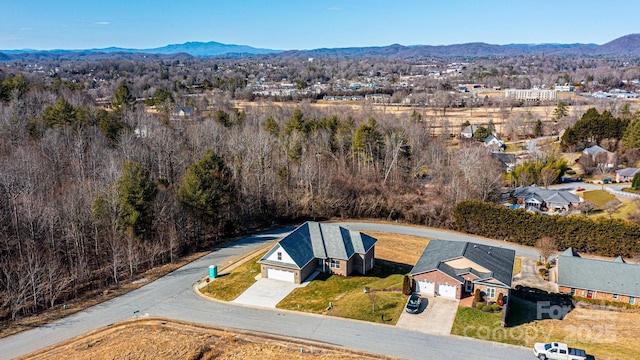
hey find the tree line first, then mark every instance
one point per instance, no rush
(607, 237)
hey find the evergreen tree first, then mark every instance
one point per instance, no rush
(136, 193)
(635, 183)
(207, 186)
(537, 129)
(122, 99)
(560, 111)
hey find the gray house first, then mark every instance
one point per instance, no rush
(613, 280)
(321, 247)
(626, 174)
(545, 199)
(455, 269)
(468, 131)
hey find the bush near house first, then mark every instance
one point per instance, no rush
(603, 236)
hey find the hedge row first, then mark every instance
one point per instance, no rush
(607, 237)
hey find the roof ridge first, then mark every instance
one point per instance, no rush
(324, 245)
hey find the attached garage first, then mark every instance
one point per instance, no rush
(425, 287)
(448, 291)
(278, 274)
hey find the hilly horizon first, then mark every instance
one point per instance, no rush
(628, 45)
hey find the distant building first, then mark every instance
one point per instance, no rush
(467, 132)
(378, 98)
(600, 156)
(530, 95)
(184, 111)
(565, 88)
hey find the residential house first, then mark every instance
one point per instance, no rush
(545, 199)
(600, 156)
(508, 161)
(612, 280)
(184, 111)
(494, 143)
(321, 247)
(626, 174)
(467, 132)
(454, 269)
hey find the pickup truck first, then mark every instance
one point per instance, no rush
(559, 351)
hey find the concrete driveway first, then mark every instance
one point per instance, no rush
(435, 317)
(268, 293)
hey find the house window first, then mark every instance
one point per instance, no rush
(279, 256)
(615, 296)
(334, 264)
(632, 300)
(573, 291)
(491, 292)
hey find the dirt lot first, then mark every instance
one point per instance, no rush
(163, 339)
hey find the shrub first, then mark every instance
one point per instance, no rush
(480, 305)
(486, 308)
(543, 272)
(538, 263)
(547, 266)
(477, 297)
(499, 300)
(495, 308)
(407, 285)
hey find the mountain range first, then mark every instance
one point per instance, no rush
(628, 45)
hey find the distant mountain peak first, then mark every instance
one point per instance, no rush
(628, 45)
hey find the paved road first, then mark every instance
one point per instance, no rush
(172, 296)
(532, 145)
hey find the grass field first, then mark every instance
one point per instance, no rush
(599, 197)
(607, 335)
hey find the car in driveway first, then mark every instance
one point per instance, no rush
(413, 304)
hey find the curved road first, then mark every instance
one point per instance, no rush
(172, 296)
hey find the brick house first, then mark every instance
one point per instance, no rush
(455, 269)
(613, 280)
(626, 174)
(318, 247)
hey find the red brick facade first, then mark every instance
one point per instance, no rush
(438, 277)
(598, 295)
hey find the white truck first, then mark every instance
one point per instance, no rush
(559, 351)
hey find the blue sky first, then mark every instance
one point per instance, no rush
(306, 24)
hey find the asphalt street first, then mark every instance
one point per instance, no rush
(172, 296)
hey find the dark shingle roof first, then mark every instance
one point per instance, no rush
(615, 277)
(551, 197)
(628, 172)
(499, 261)
(313, 240)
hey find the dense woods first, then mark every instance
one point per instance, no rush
(99, 181)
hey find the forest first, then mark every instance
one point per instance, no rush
(99, 181)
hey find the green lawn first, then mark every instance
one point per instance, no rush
(347, 294)
(598, 197)
(482, 325)
(229, 286)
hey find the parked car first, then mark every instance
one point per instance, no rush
(559, 351)
(413, 305)
(580, 189)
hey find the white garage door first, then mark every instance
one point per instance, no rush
(278, 274)
(447, 290)
(424, 287)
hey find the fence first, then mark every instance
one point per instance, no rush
(623, 194)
